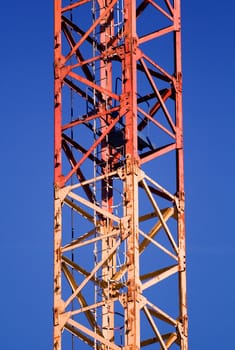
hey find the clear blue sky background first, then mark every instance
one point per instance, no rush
(26, 146)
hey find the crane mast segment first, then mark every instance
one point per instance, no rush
(119, 234)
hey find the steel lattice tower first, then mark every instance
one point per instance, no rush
(119, 233)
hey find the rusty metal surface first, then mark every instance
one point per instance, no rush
(119, 232)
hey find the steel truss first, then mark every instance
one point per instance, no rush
(119, 234)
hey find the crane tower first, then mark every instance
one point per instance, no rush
(119, 233)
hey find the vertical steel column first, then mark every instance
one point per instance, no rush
(57, 175)
(180, 181)
(131, 184)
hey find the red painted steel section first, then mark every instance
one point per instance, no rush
(57, 92)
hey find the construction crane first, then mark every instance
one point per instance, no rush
(119, 227)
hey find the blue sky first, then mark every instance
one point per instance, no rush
(26, 147)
